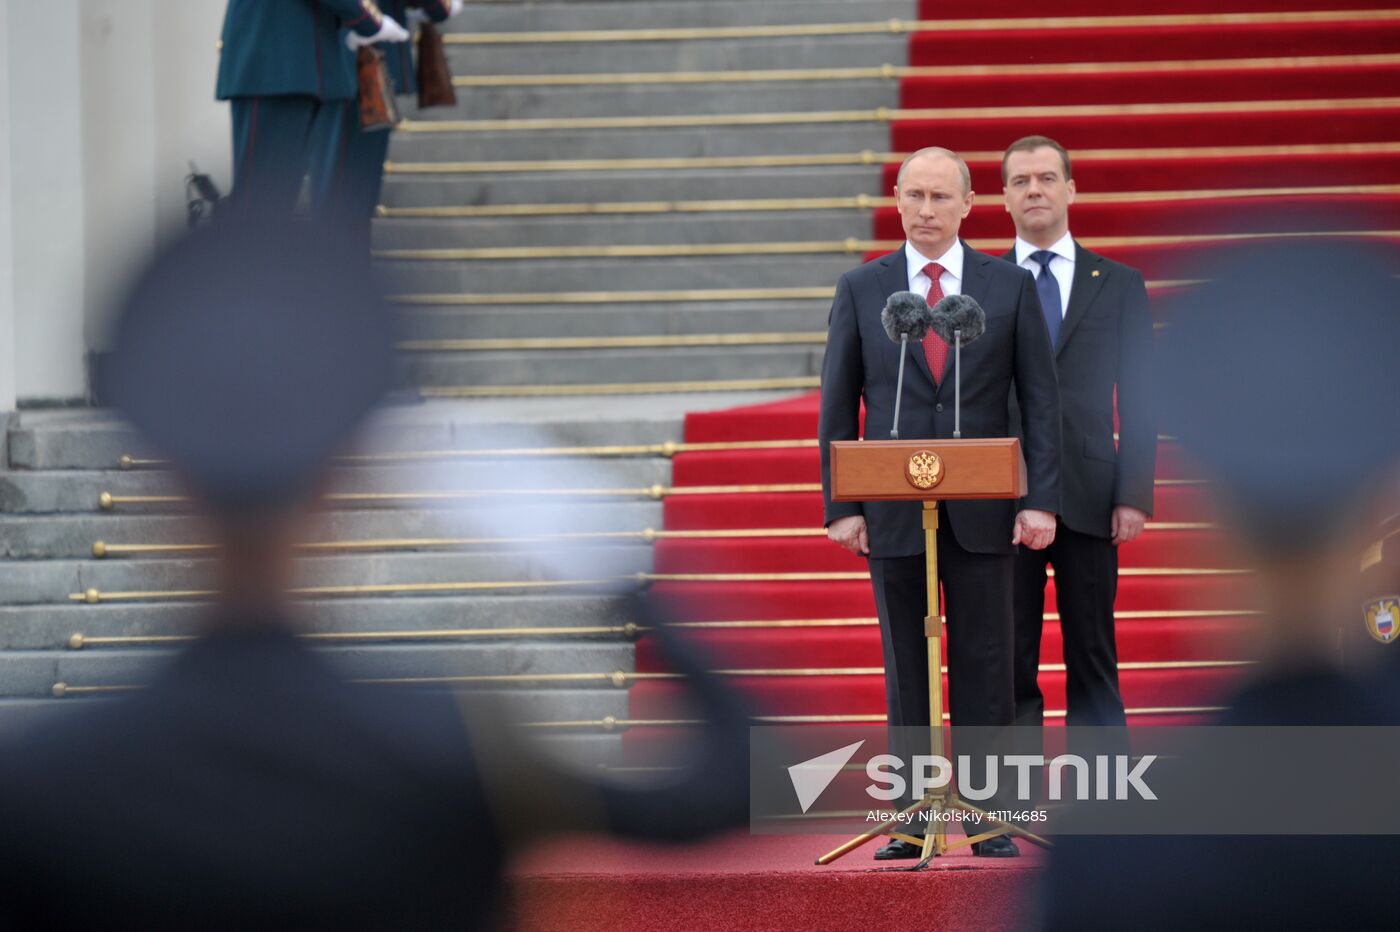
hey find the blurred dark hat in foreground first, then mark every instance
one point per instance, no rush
(1280, 374)
(247, 353)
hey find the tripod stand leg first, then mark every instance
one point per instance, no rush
(1001, 828)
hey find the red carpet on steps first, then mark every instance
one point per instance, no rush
(1232, 148)
(1122, 170)
(1147, 86)
(1359, 36)
(758, 883)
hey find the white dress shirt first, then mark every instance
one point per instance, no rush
(1062, 266)
(952, 262)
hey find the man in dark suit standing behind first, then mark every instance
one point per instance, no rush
(1099, 321)
(976, 540)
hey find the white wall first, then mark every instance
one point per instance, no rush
(108, 101)
(190, 124)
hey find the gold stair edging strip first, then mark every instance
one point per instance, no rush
(631, 630)
(889, 72)
(668, 449)
(618, 297)
(96, 596)
(819, 247)
(795, 338)
(901, 27)
(107, 501)
(627, 388)
(102, 549)
(856, 202)
(610, 723)
(639, 297)
(892, 114)
(78, 641)
(868, 157)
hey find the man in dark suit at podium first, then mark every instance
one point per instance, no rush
(976, 540)
(1099, 322)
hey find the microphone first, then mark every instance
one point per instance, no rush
(958, 319)
(906, 316)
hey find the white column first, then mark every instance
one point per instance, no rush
(46, 201)
(7, 242)
(118, 152)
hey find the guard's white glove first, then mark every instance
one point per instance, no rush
(418, 16)
(389, 31)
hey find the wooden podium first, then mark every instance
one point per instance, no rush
(930, 471)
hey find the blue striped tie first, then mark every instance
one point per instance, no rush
(1049, 291)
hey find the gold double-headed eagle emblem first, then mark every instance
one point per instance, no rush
(924, 469)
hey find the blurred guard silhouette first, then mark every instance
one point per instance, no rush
(1279, 377)
(248, 786)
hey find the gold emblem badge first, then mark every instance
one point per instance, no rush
(1383, 617)
(924, 469)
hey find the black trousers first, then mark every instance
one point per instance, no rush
(1086, 583)
(977, 598)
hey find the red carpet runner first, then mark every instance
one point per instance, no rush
(1271, 118)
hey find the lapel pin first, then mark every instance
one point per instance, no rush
(1094, 274)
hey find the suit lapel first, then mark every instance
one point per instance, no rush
(1089, 276)
(895, 277)
(975, 282)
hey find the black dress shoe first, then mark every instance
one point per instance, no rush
(898, 850)
(998, 847)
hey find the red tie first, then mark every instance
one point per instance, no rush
(935, 350)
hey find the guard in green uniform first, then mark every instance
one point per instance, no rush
(362, 161)
(289, 75)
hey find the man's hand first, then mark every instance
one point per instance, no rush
(1034, 529)
(849, 532)
(389, 31)
(1128, 523)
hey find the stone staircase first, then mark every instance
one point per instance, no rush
(98, 582)
(573, 218)
(478, 592)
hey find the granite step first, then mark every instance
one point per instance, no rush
(405, 190)
(517, 103)
(593, 367)
(495, 145)
(442, 323)
(640, 228)
(531, 16)
(36, 673)
(718, 54)
(53, 626)
(75, 536)
(53, 582)
(620, 274)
